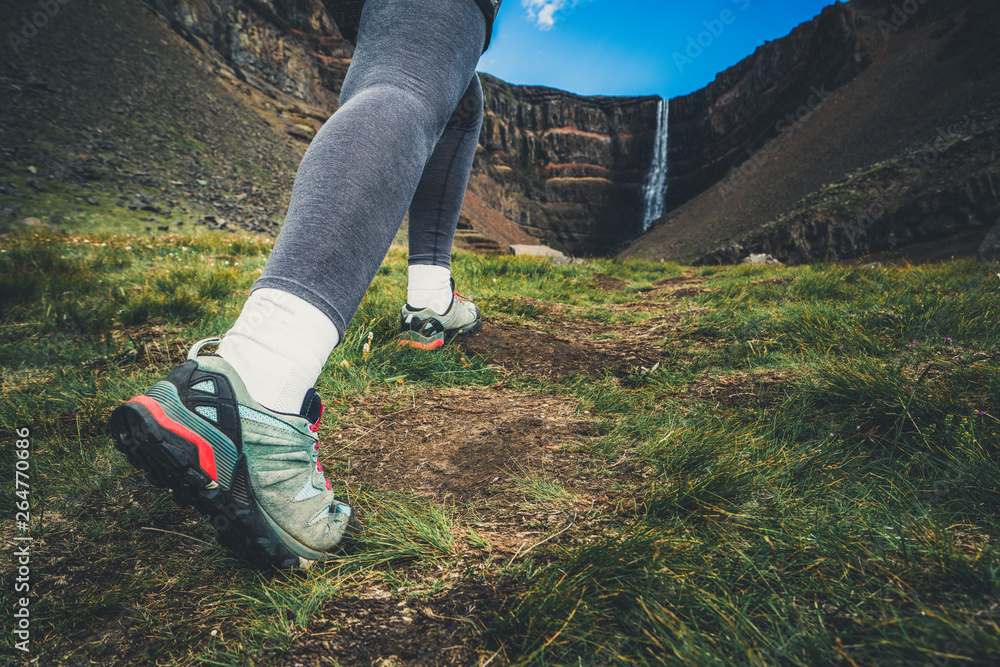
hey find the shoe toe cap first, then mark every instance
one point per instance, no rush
(326, 530)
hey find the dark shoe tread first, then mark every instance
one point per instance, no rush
(169, 461)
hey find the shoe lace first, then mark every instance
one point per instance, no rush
(315, 429)
(461, 298)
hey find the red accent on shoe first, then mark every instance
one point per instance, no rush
(315, 427)
(206, 456)
(423, 346)
(329, 487)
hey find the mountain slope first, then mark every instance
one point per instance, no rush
(107, 109)
(931, 83)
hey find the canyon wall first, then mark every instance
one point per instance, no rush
(291, 44)
(901, 154)
(722, 125)
(566, 168)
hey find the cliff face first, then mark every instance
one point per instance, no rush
(291, 44)
(945, 197)
(725, 123)
(565, 167)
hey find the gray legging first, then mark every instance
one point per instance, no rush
(405, 136)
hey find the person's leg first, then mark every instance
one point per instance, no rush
(206, 431)
(411, 68)
(437, 203)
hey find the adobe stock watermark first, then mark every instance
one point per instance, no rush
(899, 17)
(32, 23)
(696, 44)
(786, 128)
(22, 554)
(924, 158)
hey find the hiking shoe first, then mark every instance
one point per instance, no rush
(426, 330)
(254, 472)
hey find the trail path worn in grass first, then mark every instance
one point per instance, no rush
(514, 461)
(741, 465)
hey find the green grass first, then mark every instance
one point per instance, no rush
(846, 514)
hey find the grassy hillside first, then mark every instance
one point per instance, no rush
(633, 463)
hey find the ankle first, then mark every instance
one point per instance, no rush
(429, 287)
(278, 347)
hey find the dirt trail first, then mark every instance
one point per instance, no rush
(390, 631)
(515, 466)
(464, 444)
(573, 345)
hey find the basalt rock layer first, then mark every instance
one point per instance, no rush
(291, 44)
(939, 202)
(566, 168)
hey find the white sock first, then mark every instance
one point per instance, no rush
(278, 346)
(429, 287)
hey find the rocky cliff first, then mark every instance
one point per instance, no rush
(727, 122)
(291, 44)
(935, 202)
(918, 78)
(566, 168)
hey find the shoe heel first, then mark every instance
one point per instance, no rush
(414, 339)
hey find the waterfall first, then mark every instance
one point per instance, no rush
(655, 191)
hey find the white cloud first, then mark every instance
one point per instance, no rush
(543, 12)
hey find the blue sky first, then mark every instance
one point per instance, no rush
(633, 47)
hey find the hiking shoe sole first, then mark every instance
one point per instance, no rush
(425, 329)
(199, 433)
(149, 439)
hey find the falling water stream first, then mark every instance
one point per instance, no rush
(655, 191)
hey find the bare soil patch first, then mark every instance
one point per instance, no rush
(465, 444)
(586, 346)
(530, 351)
(679, 287)
(483, 449)
(607, 283)
(384, 632)
(743, 388)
